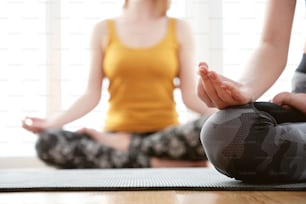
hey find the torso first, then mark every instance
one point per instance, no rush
(141, 66)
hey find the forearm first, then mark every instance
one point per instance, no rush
(263, 69)
(270, 58)
(78, 109)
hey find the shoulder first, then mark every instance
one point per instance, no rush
(101, 27)
(183, 30)
(182, 25)
(101, 32)
(105, 27)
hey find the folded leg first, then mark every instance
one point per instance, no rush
(65, 149)
(180, 142)
(248, 143)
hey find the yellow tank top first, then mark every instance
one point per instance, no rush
(141, 83)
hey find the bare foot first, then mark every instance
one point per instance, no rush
(159, 163)
(119, 141)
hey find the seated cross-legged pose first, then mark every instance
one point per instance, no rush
(141, 53)
(259, 141)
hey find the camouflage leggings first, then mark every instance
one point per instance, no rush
(65, 149)
(259, 142)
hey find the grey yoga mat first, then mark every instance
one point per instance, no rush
(130, 179)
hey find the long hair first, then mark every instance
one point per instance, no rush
(161, 6)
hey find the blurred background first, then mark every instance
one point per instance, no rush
(44, 55)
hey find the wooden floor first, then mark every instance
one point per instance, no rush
(154, 197)
(142, 197)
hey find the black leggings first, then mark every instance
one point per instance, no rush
(261, 141)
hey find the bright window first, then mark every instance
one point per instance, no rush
(22, 71)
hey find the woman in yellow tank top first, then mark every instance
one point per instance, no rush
(141, 53)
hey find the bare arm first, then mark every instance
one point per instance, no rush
(90, 98)
(263, 68)
(187, 73)
(269, 60)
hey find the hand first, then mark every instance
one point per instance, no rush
(218, 91)
(35, 125)
(294, 100)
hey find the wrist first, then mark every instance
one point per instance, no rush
(53, 123)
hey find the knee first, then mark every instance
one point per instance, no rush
(47, 144)
(47, 139)
(217, 134)
(228, 134)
